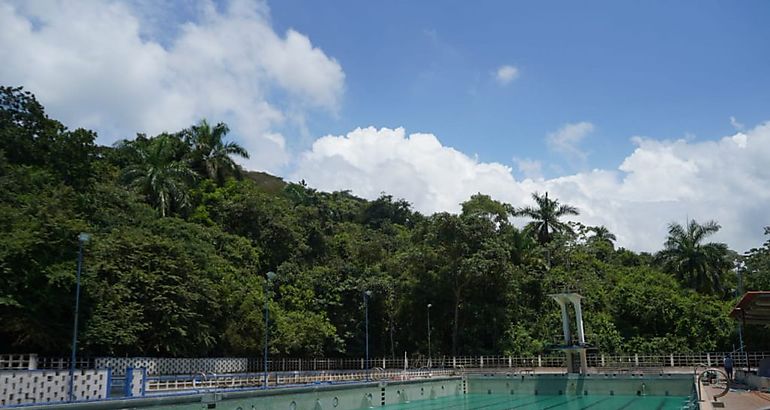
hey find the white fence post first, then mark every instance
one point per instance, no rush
(454, 361)
(636, 359)
(602, 359)
(539, 361)
(672, 360)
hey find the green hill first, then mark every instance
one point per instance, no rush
(180, 249)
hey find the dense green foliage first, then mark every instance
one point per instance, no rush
(181, 246)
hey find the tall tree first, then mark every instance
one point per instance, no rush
(29, 137)
(158, 175)
(211, 155)
(483, 205)
(461, 255)
(696, 264)
(602, 234)
(546, 217)
(756, 266)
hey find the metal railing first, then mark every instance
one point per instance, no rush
(551, 360)
(160, 384)
(18, 361)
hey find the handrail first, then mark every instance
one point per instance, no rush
(724, 392)
(203, 376)
(210, 382)
(171, 366)
(697, 366)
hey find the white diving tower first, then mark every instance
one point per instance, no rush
(574, 349)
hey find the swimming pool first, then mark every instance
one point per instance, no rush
(473, 401)
(475, 391)
(560, 391)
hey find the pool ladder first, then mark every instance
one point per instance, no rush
(705, 372)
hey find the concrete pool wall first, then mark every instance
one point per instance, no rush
(377, 394)
(321, 397)
(591, 384)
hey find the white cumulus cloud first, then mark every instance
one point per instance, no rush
(737, 125)
(530, 168)
(659, 182)
(95, 64)
(566, 141)
(506, 73)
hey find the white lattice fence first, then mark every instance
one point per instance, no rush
(18, 361)
(161, 366)
(48, 386)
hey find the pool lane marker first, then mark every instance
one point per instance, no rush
(595, 403)
(460, 402)
(627, 405)
(561, 404)
(491, 402)
(440, 403)
(519, 405)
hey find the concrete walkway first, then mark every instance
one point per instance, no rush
(739, 398)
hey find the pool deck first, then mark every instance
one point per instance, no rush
(739, 398)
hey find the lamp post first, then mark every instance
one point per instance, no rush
(367, 294)
(268, 281)
(430, 362)
(82, 239)
(743, 346)
(739, 267)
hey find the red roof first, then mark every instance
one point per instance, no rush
(753, 308)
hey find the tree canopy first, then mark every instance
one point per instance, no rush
(181, 245)
(546, 217)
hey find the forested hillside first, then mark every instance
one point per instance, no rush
(182, 240)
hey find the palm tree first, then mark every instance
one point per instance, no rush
(158, 175)
(602, 234)
(546, 217)
(699, 265)
(211, 156)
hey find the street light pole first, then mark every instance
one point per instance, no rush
(743, 346)
(367, 293)
(82, 239)
(268, 280)
(430, 362)
(739, 266)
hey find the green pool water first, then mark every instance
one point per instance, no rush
(529, 402)
(486, 391)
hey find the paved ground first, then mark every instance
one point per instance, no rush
(739, 398)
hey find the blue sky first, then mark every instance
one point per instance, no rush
(638, 113)
(659, 69)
